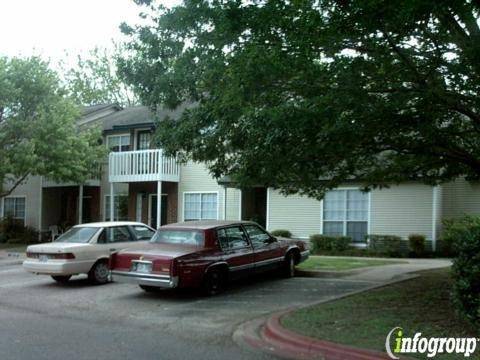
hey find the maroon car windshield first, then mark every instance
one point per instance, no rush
(185, 237)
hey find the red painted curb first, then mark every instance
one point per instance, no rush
(305, 347)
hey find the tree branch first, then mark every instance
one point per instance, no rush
(405, 59)
(15, 185)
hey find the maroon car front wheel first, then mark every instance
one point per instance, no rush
(289, 266)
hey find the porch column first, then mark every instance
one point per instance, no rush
(80, 204)
(112, 201)
(240, 205)
(159, 203)
(224, 203)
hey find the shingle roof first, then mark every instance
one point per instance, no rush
(136, 115)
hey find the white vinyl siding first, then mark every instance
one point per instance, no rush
(14, 207)
(195, 178)
(345, 212)
(31, 191)
(200, 206)
(460, 198)
(298, 214)
(402, 210)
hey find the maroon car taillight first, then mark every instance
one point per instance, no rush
(63, 256)
(173, 267)
(56, 256)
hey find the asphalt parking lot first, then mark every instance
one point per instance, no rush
(40, 319)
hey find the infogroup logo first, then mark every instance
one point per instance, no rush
(424, 345)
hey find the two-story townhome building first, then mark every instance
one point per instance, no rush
(148, 186)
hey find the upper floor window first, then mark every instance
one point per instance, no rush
(200, 206)
(118, 143)
(143, 139)
(345, 212)
(14, 207)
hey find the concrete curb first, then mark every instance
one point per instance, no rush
(327, 273)
(308, 348)
(268, 335)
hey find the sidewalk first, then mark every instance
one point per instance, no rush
(383, 273)
(8, 257)
(268, 335)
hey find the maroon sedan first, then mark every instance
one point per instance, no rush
(205, 254)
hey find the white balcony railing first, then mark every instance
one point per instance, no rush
(142, 165)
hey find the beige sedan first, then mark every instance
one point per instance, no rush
(85, 249)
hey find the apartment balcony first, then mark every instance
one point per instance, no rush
(142, 165)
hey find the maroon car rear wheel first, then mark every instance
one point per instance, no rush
(213, 282)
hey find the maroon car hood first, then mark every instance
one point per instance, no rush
(163, 250)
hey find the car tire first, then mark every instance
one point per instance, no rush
(149, 289)
(213, 282)
(98, 274)
(288, 270)
(62, 279)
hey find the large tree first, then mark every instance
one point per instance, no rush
(93, 78)
(304, 95)
(38, 132)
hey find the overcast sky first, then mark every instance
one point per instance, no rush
(48, 27)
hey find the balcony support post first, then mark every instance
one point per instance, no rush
(159, 203)
(224, 203)
(112, 201)
(80, 204)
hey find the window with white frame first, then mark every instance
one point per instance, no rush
(200, 206)
(118, 143)
(14, 207)
(345, 212)
(120, 208)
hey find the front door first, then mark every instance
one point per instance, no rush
(87, 209)
(153, 210)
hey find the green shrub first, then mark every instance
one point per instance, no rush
(282, 233)
(464, 236)
(14, 232)
(321, 243)
(416, 244)
(389, 245)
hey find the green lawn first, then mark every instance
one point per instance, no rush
(323, 263)
(364, 320)
(13, 247)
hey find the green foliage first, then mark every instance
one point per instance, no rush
(416, 244)
(321, 243)
(38, 132)
(290, 92)
(389, 245)
(464, 235)
(281, 233)
(94, 78)
(455, 228)
(14, 232)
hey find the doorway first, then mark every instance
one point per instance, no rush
(152, 210)
(254, 205)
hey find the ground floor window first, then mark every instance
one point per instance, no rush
(345, 212)
(14, 207)
(120, 207)
(200, 206)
